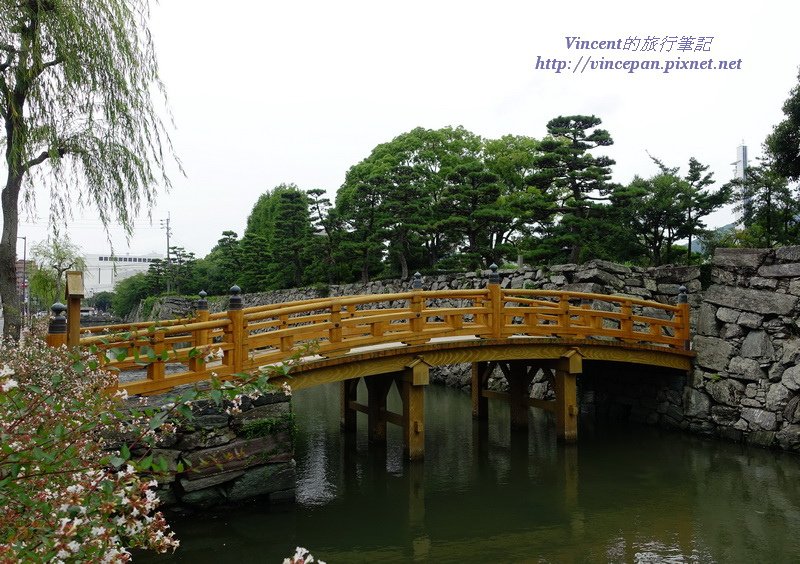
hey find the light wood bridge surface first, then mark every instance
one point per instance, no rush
(395, 338)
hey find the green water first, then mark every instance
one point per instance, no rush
(484, 494)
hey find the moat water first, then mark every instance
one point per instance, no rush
(485, 494)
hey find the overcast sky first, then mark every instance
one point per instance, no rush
(270, 92)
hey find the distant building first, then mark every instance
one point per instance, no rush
(104, 271)
(741, 161)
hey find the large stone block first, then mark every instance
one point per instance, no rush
(745, 369)
(750, 320)
(724, 415)
(712, 353)
(238, 455)
(759, 419)
(609, 266)
(749, 258)
(676, 274)
(788, 254)
(209, 481)
(792, 410)
(791, 352)
(777, 397)
(756, 301)
(588, 287)
(695, 403)
(757, 344)
(725, 314)
(269, 411)
(791, 378)
(789, 437)
(726, 391)
(780, 270)
(263, 480)
(601, 276)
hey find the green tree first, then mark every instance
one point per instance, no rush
(101, 301)
(358, 203)
(54, 257)
(783, 144)
(222, 264)
(769, 207)
(325, 240)
(129, 292)
(696, 200)
(577, 180)
(77, 87)
(290, 239)
(650, 210)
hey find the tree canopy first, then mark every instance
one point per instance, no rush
(79, 82)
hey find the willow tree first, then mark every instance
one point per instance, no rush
(81, 105)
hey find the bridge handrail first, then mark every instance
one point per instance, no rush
(618, 298)
(246, 338)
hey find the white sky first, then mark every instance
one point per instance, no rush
(270, 92)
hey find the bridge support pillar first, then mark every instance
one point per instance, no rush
(377, 390)
(347, 397)
(415, 378)
(567, 369)
(519, 378)
(480, 377)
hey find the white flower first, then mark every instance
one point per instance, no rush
(122, 394)
(6, 371)
(63, 554)
(74, 546)
(287, 389)
(9, 385)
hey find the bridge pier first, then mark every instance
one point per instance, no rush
(519, 375)
(411, 384)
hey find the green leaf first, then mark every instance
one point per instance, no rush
(125, 452)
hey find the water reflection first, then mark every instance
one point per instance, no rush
(485, 494)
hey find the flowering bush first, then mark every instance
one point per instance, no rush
(301, 556)
(70, 489)
(64, 496)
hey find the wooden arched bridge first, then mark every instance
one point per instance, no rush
(395, 338)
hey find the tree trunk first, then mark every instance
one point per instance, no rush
(9, 293)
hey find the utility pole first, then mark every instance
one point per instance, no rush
(26, 308)
(165, 226)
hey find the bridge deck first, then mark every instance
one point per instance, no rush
(393, 357)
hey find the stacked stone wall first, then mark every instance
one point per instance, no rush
(228, 458)
(746, 382)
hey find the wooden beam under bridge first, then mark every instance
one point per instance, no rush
(410, 382)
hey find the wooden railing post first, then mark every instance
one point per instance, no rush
(626, 323)
(57, 329)
(683, 304)
(417, 321)
(496, 300)
(335, 334)
(201, 335)
(234, 357)
(156, 369)
(73, 293)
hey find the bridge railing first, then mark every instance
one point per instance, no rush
(243, 339)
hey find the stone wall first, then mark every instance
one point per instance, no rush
(228, 458)
(746, 381)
